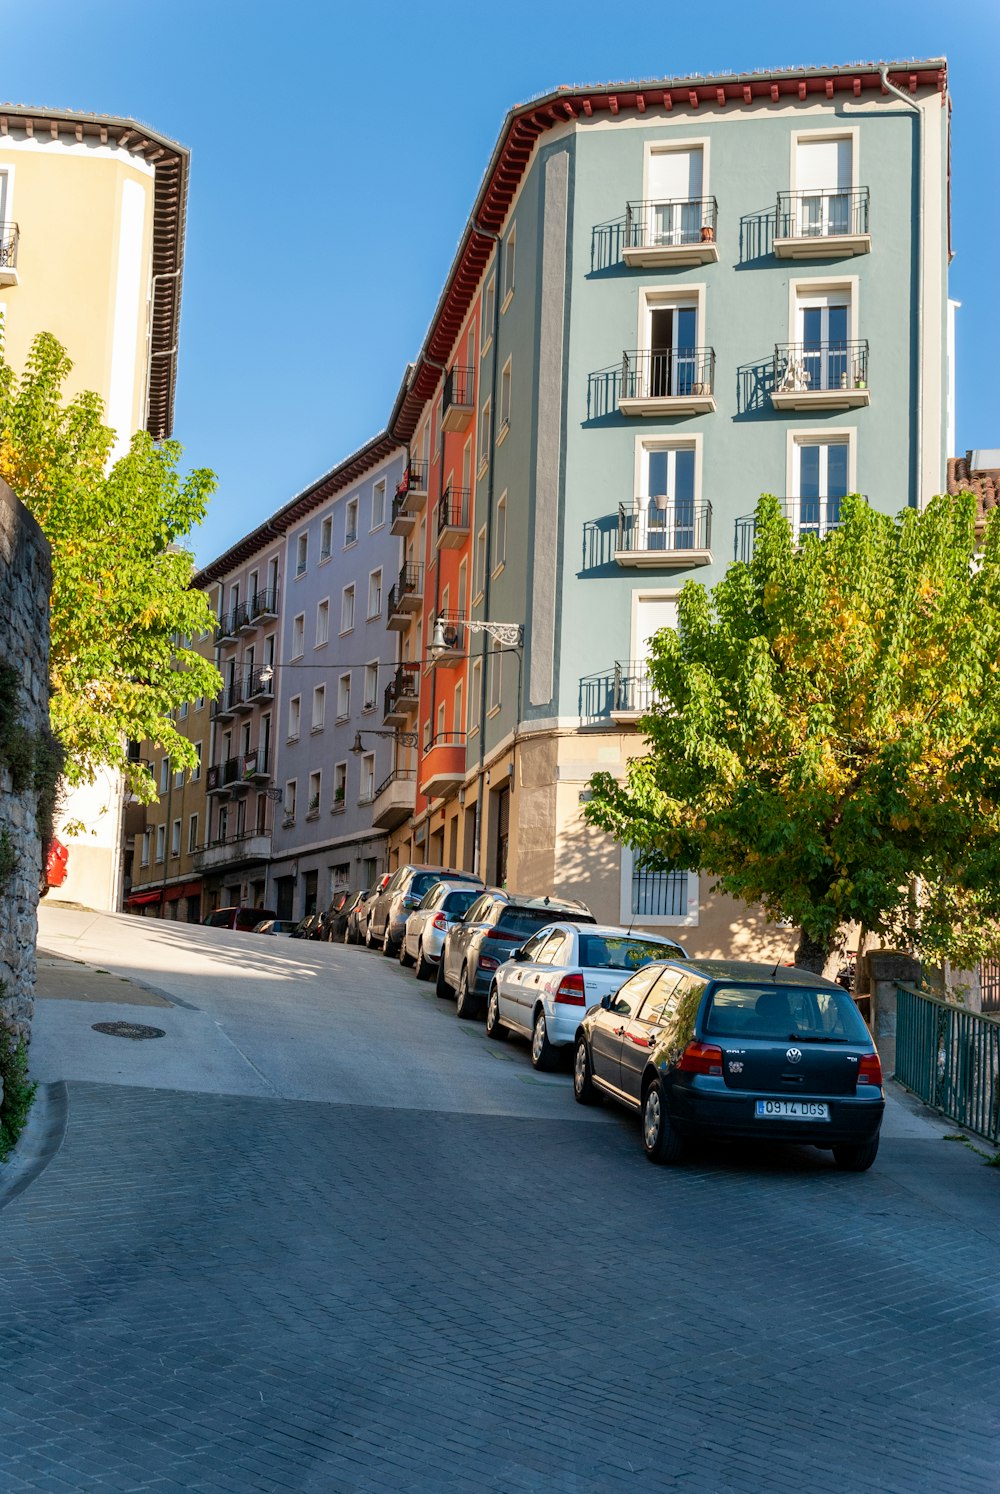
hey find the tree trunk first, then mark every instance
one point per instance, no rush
(821, 958)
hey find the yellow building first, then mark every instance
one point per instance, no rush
(92, 212)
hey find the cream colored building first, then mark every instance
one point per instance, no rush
(92, 212)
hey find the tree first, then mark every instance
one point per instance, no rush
(121, 598)
(825, 738)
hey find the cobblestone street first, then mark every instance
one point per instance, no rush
(247, 1292)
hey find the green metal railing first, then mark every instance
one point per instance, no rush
(950, 1057)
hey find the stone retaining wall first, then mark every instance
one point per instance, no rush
(25, 584)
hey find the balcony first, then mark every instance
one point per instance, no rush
(395, 799)
(230, 852)
(9, 235)
(457, 404)
(402, 695)
(231, 699)
(406, 596)
(226, 631)
(453, 518)
(410, 497)
(263, 605)
(633, 691)
(443, 765)
(808, 517)
(820, 376)
(675, 231)
(258, 687)
(245, 620)
(829, 223)
(403, 518)
(214, 781)
(671, 381)
(664, 533)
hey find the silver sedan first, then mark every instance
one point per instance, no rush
(442, 905)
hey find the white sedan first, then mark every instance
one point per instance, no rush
(546, 986)
(427, 925)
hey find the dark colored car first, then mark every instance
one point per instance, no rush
(336, 915)
(245, 919)
(724, 1048)
(402, 893)
(495, 925)
(357, 925)
(310, 927)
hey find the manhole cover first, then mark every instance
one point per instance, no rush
(134, 1030)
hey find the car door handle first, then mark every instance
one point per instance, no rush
(619, 1032)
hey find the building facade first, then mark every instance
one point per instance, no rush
(92, 213)
(686, 293)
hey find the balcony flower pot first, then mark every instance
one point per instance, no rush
(861, 383)
(707, 234)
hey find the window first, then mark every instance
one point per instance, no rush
(339, 785)
(496, 675)
(347, 609)
(374, 594)
(655, 896)
(164, 775)
(823, 358)
(147, 838)
(343, 697)
(196, 770)
(824, 169)
(351, 522)
(315, 792)
(484, 437)
(199, 704)
(291, 794)
(675, 189)
(664, 517)
(299, 636)
(323, 623)
(458, 707)
(672, 364)
(294, 717)
(508, 267)
(489, 314)
(500, 537)
(183, 711)
(475, 694)
(378, 504)
(371, 687)
(161, 841)
(821, 477)
(192, 832)
(463, 587)
(325, 538)
(319, 708)
(504, 401)
(442, 721)
(367, 778)
(301, 554)
(479, 565)
(179, 779)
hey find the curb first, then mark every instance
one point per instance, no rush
(38, 1143)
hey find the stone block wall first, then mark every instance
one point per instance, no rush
(25, 584)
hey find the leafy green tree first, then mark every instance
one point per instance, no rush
(121, 598)
(825, 738)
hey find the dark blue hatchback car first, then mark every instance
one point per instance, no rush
(730, 1049)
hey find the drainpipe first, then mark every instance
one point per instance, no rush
(883, 72)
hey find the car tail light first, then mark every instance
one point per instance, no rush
(487, 962)
(701, 1058)
(439, 922)
(570, 991)
(870, 1069)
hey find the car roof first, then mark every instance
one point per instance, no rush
(753, 972)
(615, 931)
(444, 872)
(564, 906)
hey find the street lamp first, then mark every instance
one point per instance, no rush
(508, 635)
(404, 738)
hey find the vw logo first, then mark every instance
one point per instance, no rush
(794, 1055)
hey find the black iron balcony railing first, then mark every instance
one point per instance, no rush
(258, 684)
(633, 688)
(679, 373)
(230, 698)
(226, 628)
(414, 477)
(458, 386)
(664, 524)
(816, 517)
(820, 367)
(824, 213)
(403, 686)
(670, 223)
(453, 510)
(9, 235)
(263, 603)
(409, 584)
(398, 775)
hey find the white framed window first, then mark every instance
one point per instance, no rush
(823, 173)
(479, 565)
(322, 622)
(196, 770)
(294, 717)
(290, 798)
(675, 187)
(182, 713)
(458, 707)
(665, 514)
(475, 694)
(500, 534)
(463, 586)
(496, 676)
(820, 473)
(199, 704)
(192, 833)
(326, 538)
(302, 553)
(319, 707)
(374, 594)
(315, 793)
(484, 437)
(489, 313)
(661, 899)
(299, 636)
(378, 504)
(509, 255)
(351, 522)
(347, 609)
(343, 697)
(161, 842)
(164, 774)
(179, 779)
(367, 793)
(671, 339)
(651, 611)
(823, 318)
(442, 720)
(147, 841)
(505, 378)
(371, 687)
(175, 838)
(339, 785)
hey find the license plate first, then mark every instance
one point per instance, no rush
(797, 1110)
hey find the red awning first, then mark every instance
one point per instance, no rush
(143, 897)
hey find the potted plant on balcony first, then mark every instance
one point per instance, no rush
(707, 233)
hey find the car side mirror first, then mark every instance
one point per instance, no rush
(606, 1002)
(520, 954)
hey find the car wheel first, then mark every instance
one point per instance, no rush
(494, 1027)
(423, 970)
(660, 1141)
(387, 946)
(465, 1002)
(584, 1090)
(856, 1158)
(543, 1055)
(369, 940)
(441, 986)
(404, 958)
(347, 936)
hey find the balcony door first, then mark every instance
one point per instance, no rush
(671, 340)
(823, 331)
(823, 177)
(666, 504)
(674, 188)
(650, 613)
(821, 480)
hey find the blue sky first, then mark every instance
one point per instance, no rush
(337, 150)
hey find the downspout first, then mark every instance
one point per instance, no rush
(883, 72)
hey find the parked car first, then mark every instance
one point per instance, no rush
(336, 916)
(427, 925)
(731, 1049)
(401, 894)
(284, 928)
(541, 990)
(483, 939)
(309, 927)
(356, 931)
(245, 919)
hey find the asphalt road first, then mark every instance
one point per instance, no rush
(323, 1236)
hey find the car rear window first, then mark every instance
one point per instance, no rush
(525, 920)
(423, 882)
(607, 952)
(459, 902)
(782, 1012)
